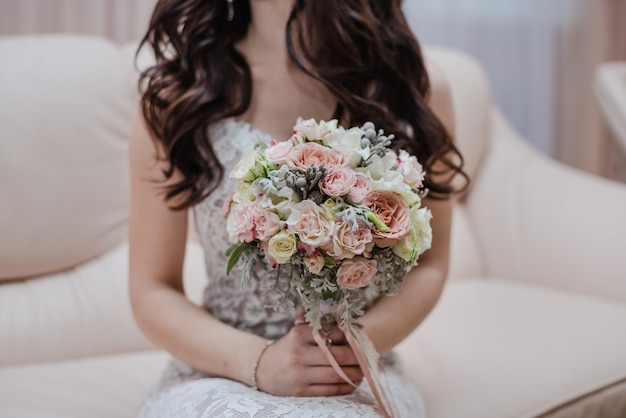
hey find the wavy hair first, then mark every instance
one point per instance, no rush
(363, 51)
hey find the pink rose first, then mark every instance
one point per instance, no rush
(302, 156)
(347, 243)
(243, 221)
(361, 188)
(308, 222)
(314, 263)
(393, 210)
(338, 182)
(277, 152)
(266, 223)
(411, 169)
(356, 273)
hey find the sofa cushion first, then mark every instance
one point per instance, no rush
(495, 348)
(84, 311)
(101, 387)
(65, 116)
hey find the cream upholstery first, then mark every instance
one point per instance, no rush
(610, 87)
(530, 323)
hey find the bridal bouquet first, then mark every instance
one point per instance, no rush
(336, 215)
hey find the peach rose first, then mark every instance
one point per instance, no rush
(266, 223)
(347, 243)
(314, 263)
(393, 210)
(302, 156)
(277, 152)
(338, 182)
(356, 273)
(361, 188)
(307, 220)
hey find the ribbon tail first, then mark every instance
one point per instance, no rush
(368, 360)
(331, 359)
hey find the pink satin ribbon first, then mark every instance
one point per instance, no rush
(357, 339)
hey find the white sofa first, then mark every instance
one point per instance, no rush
(532, 321)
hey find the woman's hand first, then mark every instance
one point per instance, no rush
(296, 366)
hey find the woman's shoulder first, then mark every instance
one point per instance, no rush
(440, 95)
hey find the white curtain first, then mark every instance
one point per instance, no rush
(120, 20)
(539, 56)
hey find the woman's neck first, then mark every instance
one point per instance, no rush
(265, 41)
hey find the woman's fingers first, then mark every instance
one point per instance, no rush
(314, 356)
(327, 390)
(326, 375)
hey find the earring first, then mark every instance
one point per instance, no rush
(231, 10)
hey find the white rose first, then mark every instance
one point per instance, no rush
(282, 246)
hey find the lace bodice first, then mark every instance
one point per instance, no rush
(247, 309)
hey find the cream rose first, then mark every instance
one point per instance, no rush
(302, 156)
(393, 210)
(309, 222)
(338, 182)
(282, 246)
(356, 273)
(243, 170)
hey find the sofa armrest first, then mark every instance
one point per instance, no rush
(541, 221)
(81, 312)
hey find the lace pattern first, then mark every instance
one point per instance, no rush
(186, 392)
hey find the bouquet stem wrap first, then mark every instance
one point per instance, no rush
(367, 357)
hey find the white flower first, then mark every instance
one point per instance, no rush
(394, 181)
(420, 219)
(419, 239)
(243, 191)
(313, 131)
(244, 169)
(280, 202)
(411, 169)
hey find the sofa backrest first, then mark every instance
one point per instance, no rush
(65, 110)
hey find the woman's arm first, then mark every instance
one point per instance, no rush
(157, 247)
(392, 318)
(294, 366)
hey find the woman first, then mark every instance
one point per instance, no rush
(231, 72)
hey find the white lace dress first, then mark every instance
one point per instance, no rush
(185, 392)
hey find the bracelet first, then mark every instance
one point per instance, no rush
(256, 363)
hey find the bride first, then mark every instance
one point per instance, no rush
(227, 74)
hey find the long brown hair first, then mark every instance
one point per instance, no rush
(363, 51)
